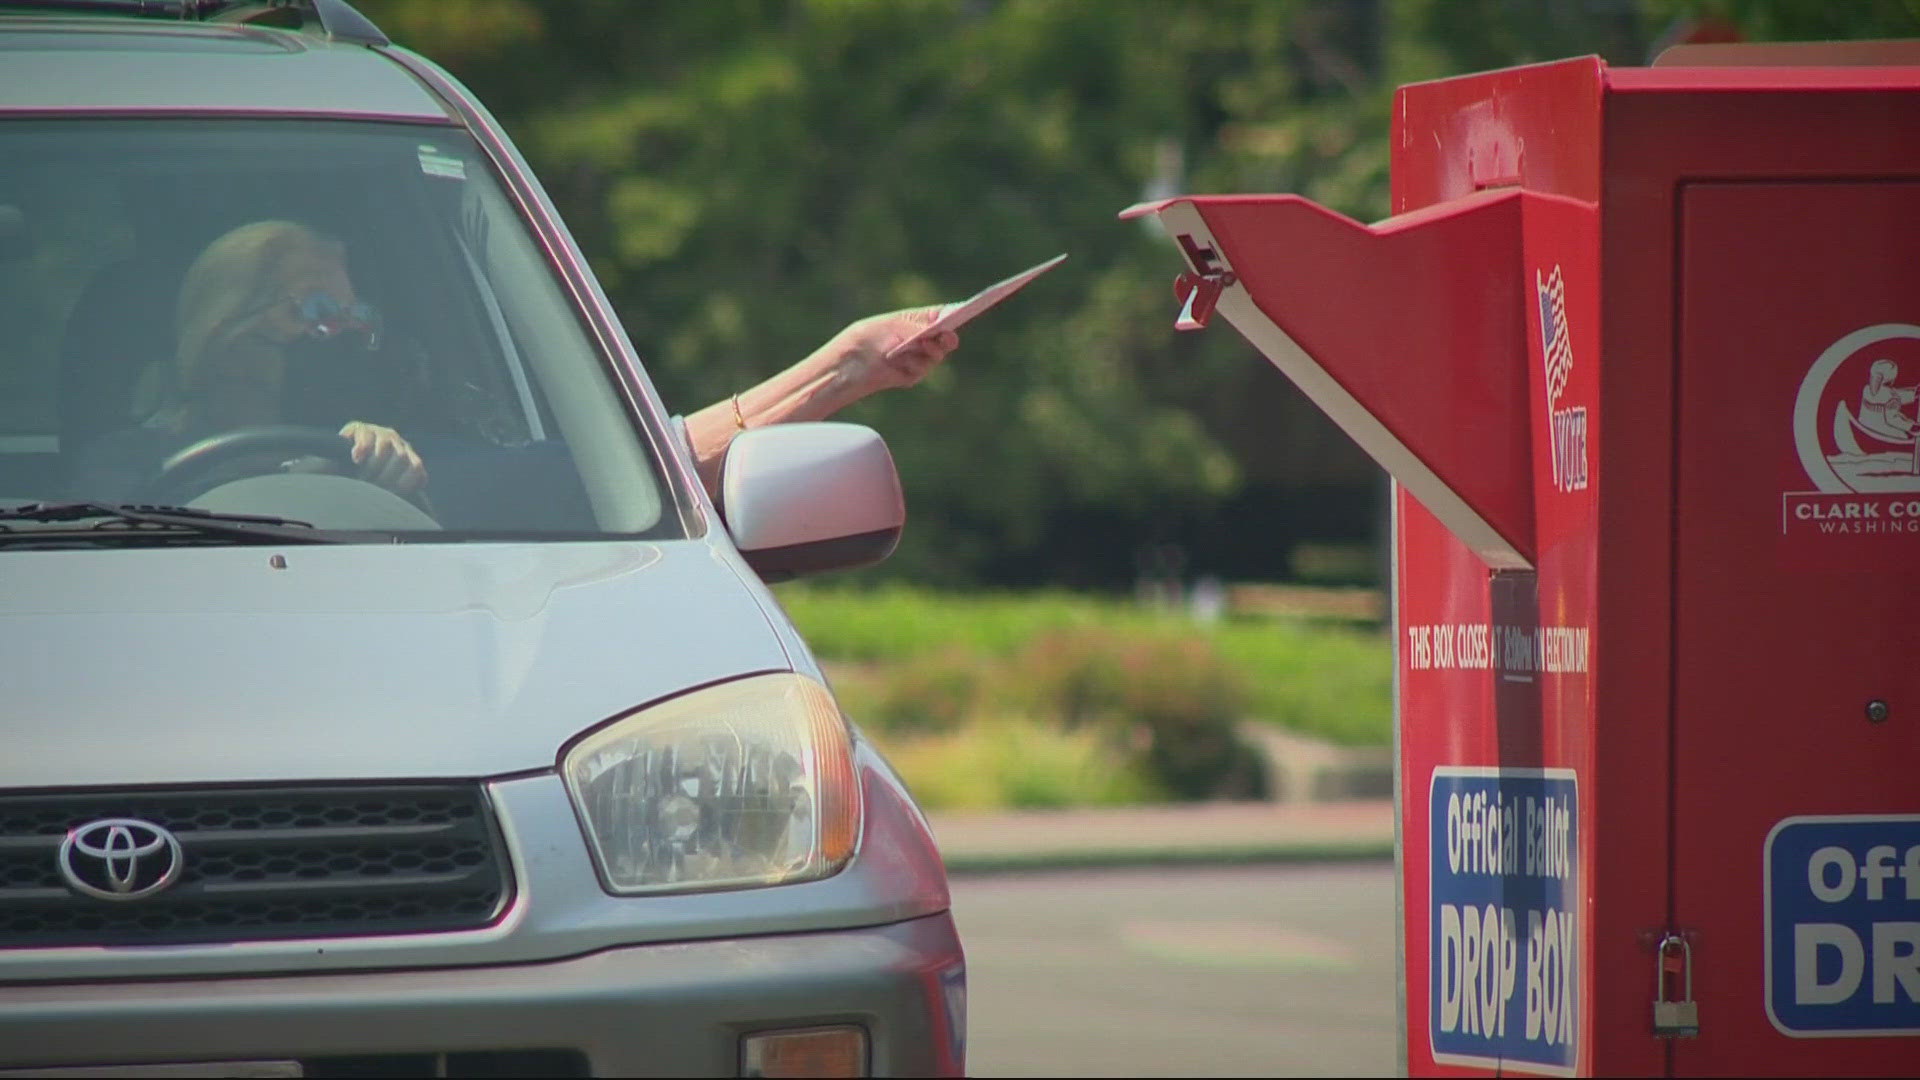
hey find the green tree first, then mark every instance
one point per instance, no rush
(746, 176)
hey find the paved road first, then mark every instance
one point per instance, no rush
(1193, 971)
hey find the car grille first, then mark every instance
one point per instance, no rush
(264, 863)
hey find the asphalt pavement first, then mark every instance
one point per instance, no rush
(1283, 969)
(1201, 939)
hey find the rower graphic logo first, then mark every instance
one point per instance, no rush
(1855, 421)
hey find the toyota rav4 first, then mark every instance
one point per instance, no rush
(440, 725)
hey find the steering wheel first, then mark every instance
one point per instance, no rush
(194, 469)
(183, 476)
(183, 471)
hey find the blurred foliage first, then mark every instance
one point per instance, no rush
(1795, 20)
(1159, 707)
(914, 660)
(1169, 677)
(935, 693)
(746, 176)
(1169, 697)
(1015, 763)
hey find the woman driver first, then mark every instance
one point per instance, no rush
(250, 296)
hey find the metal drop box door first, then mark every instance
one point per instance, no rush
(1797, 679)
(1640, 348)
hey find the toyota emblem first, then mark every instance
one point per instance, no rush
(120, 858)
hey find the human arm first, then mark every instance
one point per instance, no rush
(852, 365)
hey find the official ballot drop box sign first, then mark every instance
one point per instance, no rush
(1504, 907)
(1641, 350)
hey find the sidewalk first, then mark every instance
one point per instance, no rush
(1176, 833)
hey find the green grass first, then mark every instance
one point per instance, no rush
(1331, 681)
(896, 622)
(1003, 763)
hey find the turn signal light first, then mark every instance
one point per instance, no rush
(820, 1051)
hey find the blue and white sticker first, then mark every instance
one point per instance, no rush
(437, 162)
(1504, 918)
(1843, 926)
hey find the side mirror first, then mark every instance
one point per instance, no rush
(807, 497)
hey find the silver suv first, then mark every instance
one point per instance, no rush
(381, 692)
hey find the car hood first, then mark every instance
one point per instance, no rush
(196, 665)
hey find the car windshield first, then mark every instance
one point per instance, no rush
(195, 311)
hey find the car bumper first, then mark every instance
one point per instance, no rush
(677, 1009)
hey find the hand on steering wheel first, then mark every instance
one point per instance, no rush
(384, 458)
(363, 451)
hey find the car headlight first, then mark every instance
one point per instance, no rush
(746, 783)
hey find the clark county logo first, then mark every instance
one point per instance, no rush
(1854, 425)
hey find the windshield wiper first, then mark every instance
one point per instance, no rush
(139, 520)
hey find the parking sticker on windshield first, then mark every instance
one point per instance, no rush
(1504, 918)
(435, 163)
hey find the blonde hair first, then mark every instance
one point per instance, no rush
(238, 278)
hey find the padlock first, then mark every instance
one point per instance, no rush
(1674, 1019)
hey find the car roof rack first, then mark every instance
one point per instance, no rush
(336, 20)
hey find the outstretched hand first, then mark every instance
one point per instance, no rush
(858, 361)
(864, 352)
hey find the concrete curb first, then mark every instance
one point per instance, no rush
(1168, 835)
(969, 864)
(1302, 769)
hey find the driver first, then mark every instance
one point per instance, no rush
(249, 304)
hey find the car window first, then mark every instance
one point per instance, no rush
(228, 295)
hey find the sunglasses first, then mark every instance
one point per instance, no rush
(323, 318)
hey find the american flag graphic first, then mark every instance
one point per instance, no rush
(1555, 348)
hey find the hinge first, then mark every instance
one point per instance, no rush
(1198, 293)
